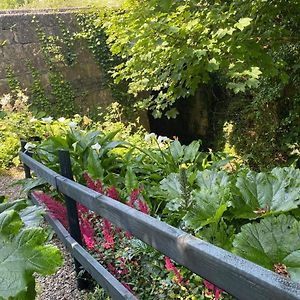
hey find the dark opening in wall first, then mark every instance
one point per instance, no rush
(196, 119)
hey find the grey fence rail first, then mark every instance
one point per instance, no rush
(235, 275)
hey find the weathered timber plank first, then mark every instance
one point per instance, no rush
(107, 281)
(39, 169)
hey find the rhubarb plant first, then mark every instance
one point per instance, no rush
(272, 243)
(23, 250)
(262, 194)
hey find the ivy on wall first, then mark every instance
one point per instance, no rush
(93, 33)
(58, 51)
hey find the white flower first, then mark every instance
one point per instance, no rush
(149, 136)
(29, 146)
(32, 120)
(61, 120)
(72, 124)
(47, 120)
(162, 139)
(5, 99)
(96, 147)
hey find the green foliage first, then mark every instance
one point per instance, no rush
(273, 244)
(13, 83)
(171, 48)
(57, 51)
(23, 250)
(186, 188)
(94, 34)
(39, 101)
(263, 194)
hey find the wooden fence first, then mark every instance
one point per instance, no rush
(237, 276)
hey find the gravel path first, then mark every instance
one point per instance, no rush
(7, 178)
(62, 285)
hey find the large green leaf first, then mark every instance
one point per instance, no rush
(274, 242)
(94, 166)
(177, 151)
(259, 194)
(176, 187)
(219, 234)
(22, 252)
(131, 181)
(32, 215)
(211, 201)
(191, 151)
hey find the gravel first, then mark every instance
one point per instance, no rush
(62, 285)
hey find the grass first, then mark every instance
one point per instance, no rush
(42, 4)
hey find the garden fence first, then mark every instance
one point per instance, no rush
(235, 275)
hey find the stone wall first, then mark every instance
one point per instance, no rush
(19, 44)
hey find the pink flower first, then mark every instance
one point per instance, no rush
(113, 193)
(88, 233)
(82, 209)
(89, 181)
(98, 186)
(170, 267)
(108, 236)
(143, 207)
(134, 195)
(56, 209)
(211, 288)
(168, 264)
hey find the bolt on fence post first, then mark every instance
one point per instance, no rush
(73, 221)
(26, 168)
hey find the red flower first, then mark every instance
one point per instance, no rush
(113, 193)
(211, 288)
(170, 267)
(88, 233)
(143, 207)
(89, 181)
(108, 236)
(56, 209)
(134, 195)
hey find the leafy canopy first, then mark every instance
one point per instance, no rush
(169, 48)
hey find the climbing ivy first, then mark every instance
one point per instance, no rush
(13, 82)
(39, 101)
(94, 34)
(58, 52)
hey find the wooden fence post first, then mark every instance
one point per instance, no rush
(83, 280)
(26, 168)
